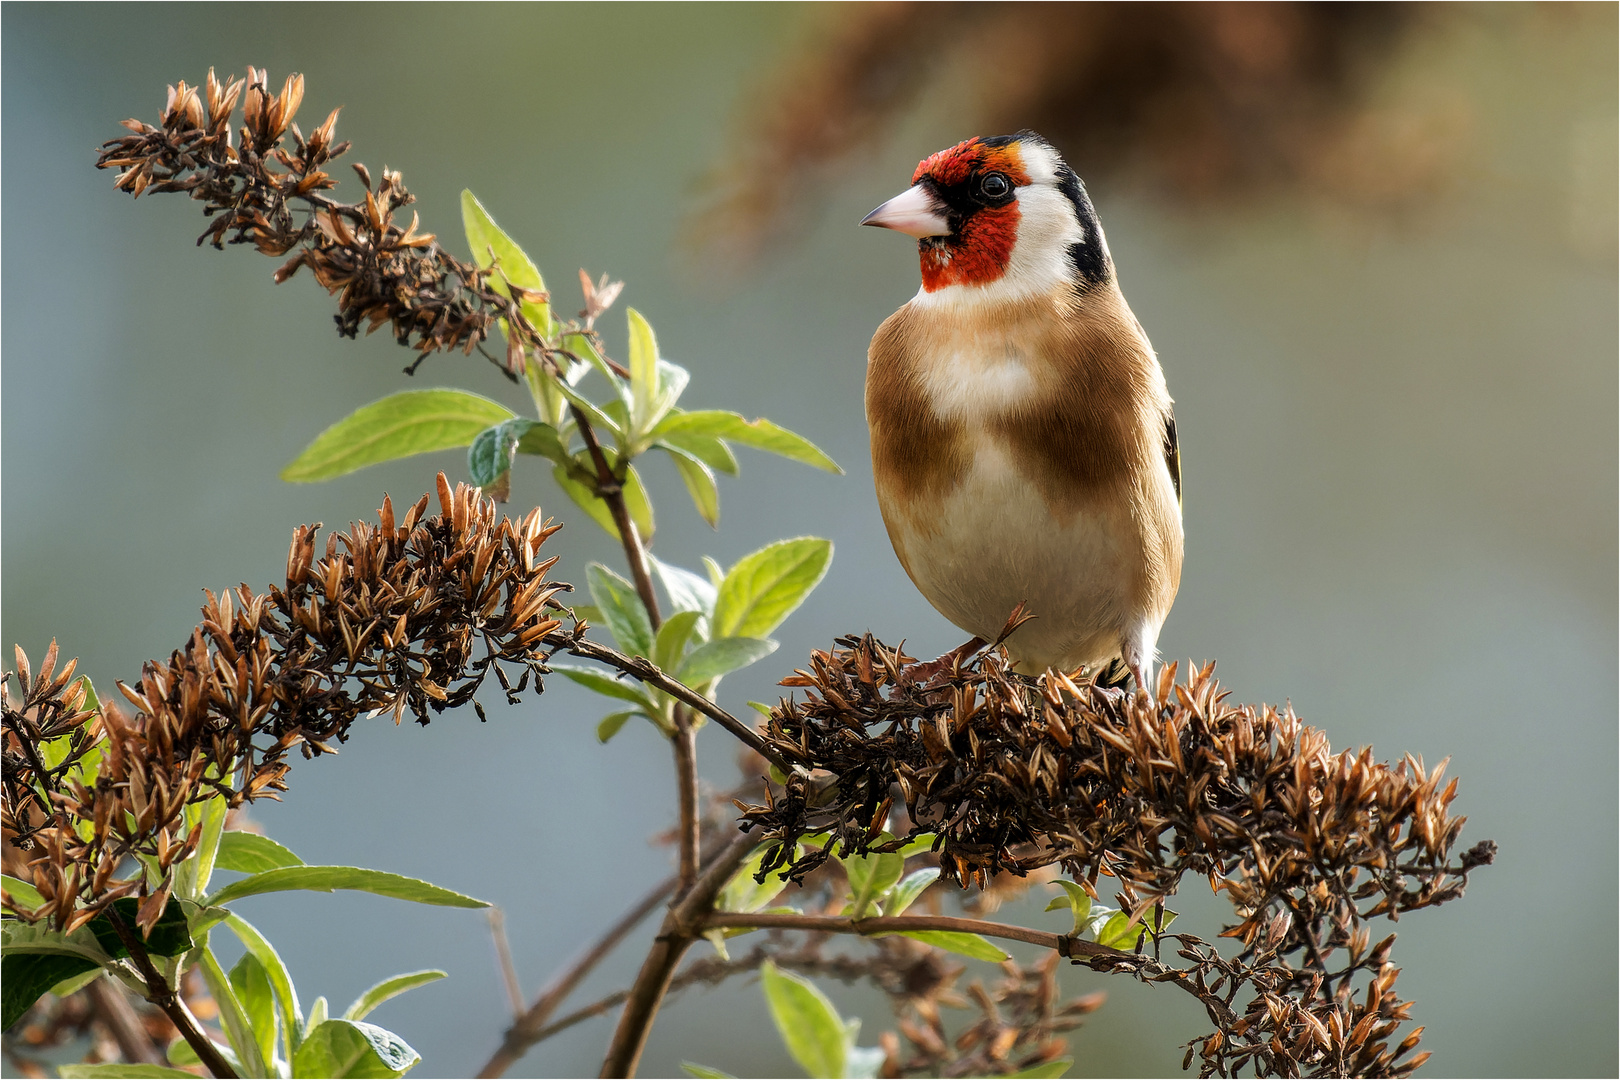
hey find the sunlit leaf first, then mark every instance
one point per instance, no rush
(687, 591)
(721, 657)
(292, 1017)
(490, 245)
(760, 434)
(904, 894)
(699, 481)
(352, 1048)
(765, 587)
(674, 638)
(809, 1024)
(870, 876)
(390, 988)
(970, 945)
(622, 609)
(402, 424)
(611, 723)
(330, 878)
(250, 853)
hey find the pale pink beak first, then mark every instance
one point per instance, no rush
(914, 212)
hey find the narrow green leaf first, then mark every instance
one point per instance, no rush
(292, 1017)
(238, 1027)
(919, 844)
(809, 1024)
(643, 373)
(704, 1072)
(766, 586)
(706, 448)
(544, 440)
(402, 424)
(330, 878)
(621, 606)
(250, 853)
(669, 648)
(21, 892)
(69, 987)
(390, 988)
(1044, 1071)
(970, 945)
(251, 985)
(870, 876)
(352, 1048)
(317, 1013)
(605, 684)
(192, 876)
(490, 244)
(743, 893)
(687, 591)
(722, 656)
(585, 497)
(760, 434)
(121, 1069)
(26, 977)
(700, 484)
(913, 885)
(611, 724)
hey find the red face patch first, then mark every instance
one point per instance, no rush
(979, 251)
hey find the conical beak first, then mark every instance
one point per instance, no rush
(914, 212)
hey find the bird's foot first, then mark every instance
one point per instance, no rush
(929, 670)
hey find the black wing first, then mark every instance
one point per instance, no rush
(1172, 453)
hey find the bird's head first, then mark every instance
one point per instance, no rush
(999, 217)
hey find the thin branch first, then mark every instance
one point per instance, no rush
(530, 1023)
(115, 1013)
(681, 927)
(646, 671)
(686, 786)
(159, 993)
(610, 489)
(503, 956)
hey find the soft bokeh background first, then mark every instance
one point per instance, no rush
(1398, 432)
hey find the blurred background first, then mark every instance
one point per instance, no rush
(1375, 248)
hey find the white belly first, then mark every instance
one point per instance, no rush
(993, 543)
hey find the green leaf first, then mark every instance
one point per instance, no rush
(251, 985)
(918, 845)
(700, 484)
(623, 610)
(245, 1041)
(706, 448)
(1078, 901)
(723, 656)
(604, 684)
(490, 244)
(687, 591)
(22, 892)
(669, 648)
(390, 988)
(760, 434)
(1044, 1071)
(870, 876)
(121, 1069)
(545, 441)
(704, 1072)
(329, 878)
(1120, 933)
(611, 723)
(250, 853)
(765, 587)
(643, 373)
(26, 977)
(181, 1055)
(292, 1017)
(743, 893)
(170, 936)
(809, 1024)
(913, 885)
(970, 945)
(351, 1048)
(69, 987)
(585, 497)
(402, 424)
(191, 877)
(491, 452)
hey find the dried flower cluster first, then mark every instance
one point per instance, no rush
(1013, 774)
(270, 196)
(390, 619)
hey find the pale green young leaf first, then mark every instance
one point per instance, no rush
(643, 372)
(674, 638)
(21, 892)
(742, 893)
(711, 451)
(584, 497)
(610, 724)
(761, 708)
(181, 1055)
(121, 1069)
(192, 876)
(905, 893)
(717, 575)
(918, 845)
(622, 608)
(687, 591)
(490, 245)
(760, 434)
(580, 345)
(704, 1072)
(807, 1021)
(251, 984)
(390, 988)
(353, 1048)
(599, 418)
(544, 440)
(292, 1017)
(331, 878)
(1120, 933)
(969, 945)
(672, 380)
(700, 484)
(402, 424)
(1078, 901)
(69, 987)
(250, 853)
(245, 1041)
(605, 684)
(317, 1013)
(721, 657)
(871, 876)
(765, 587)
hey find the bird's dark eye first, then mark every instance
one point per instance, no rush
(994, 186)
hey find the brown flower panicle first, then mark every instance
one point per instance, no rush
(405, 615)
(272, 196)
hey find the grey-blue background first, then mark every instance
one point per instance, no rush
(1399, 446)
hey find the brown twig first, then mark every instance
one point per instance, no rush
(503, 956)
(681, 927)
(530, 1023)
(159, 993)
(123, 1023)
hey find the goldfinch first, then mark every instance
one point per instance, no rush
(1023, 443)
